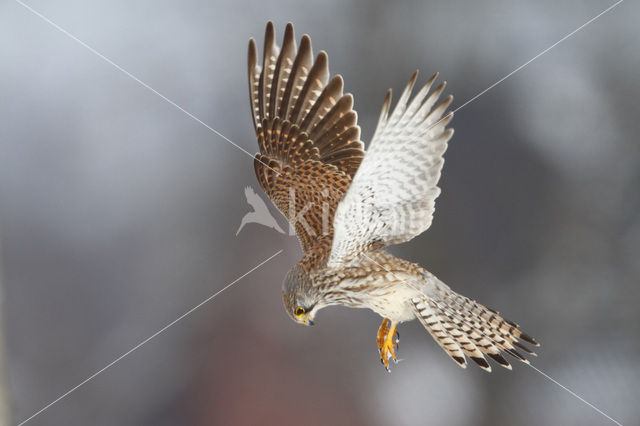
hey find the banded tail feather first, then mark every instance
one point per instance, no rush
(463, 327)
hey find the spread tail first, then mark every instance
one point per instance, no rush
(462, 326)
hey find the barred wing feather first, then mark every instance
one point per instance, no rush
(392, 196)
(307, 134)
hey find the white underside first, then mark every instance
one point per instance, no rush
(391, 294)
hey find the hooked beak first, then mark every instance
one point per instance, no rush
(307, 320)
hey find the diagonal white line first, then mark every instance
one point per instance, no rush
(529, 61)
(246, 152)
(538, 55)
(163, 329)
(576, 395)
(525, 361)
(136, 79)
(476, 97)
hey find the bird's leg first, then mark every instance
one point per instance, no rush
(382, 333)
(388, 339)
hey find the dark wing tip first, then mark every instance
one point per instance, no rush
(514, 353)
(386, 106)
(289, 34)
(305, 46)
(269, 38)
(253, 50)
(253, 53)
(482, 363)
(500, 360)
(440, 87)
(524, 348)
(529, 339)
(460, 360)
(322, 59)
(414, 77)
(270, 28)
(511, 323)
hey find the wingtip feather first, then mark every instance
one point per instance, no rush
(529, 339)
(482, 363)
(460, 361)
(252, 54)
(386, 106)
(322, 59)
(288, 28)
(270, 29)
(305, 40)
(269, 39)
(414, 77)
(500, 360)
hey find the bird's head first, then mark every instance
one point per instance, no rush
(300, 299)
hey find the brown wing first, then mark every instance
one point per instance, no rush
(307, 133)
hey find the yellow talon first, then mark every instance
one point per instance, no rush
(387, 340)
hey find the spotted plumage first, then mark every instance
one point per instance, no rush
(346, 206)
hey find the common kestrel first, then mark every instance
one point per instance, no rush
(346, 206)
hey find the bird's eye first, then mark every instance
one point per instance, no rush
(299, 311)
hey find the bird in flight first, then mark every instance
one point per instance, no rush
(347, 206)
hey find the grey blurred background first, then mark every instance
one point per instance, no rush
(118, 213)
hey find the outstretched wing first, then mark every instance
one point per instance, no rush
(392, 196)
(307, 133)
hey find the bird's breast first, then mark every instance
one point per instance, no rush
(386, 294)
